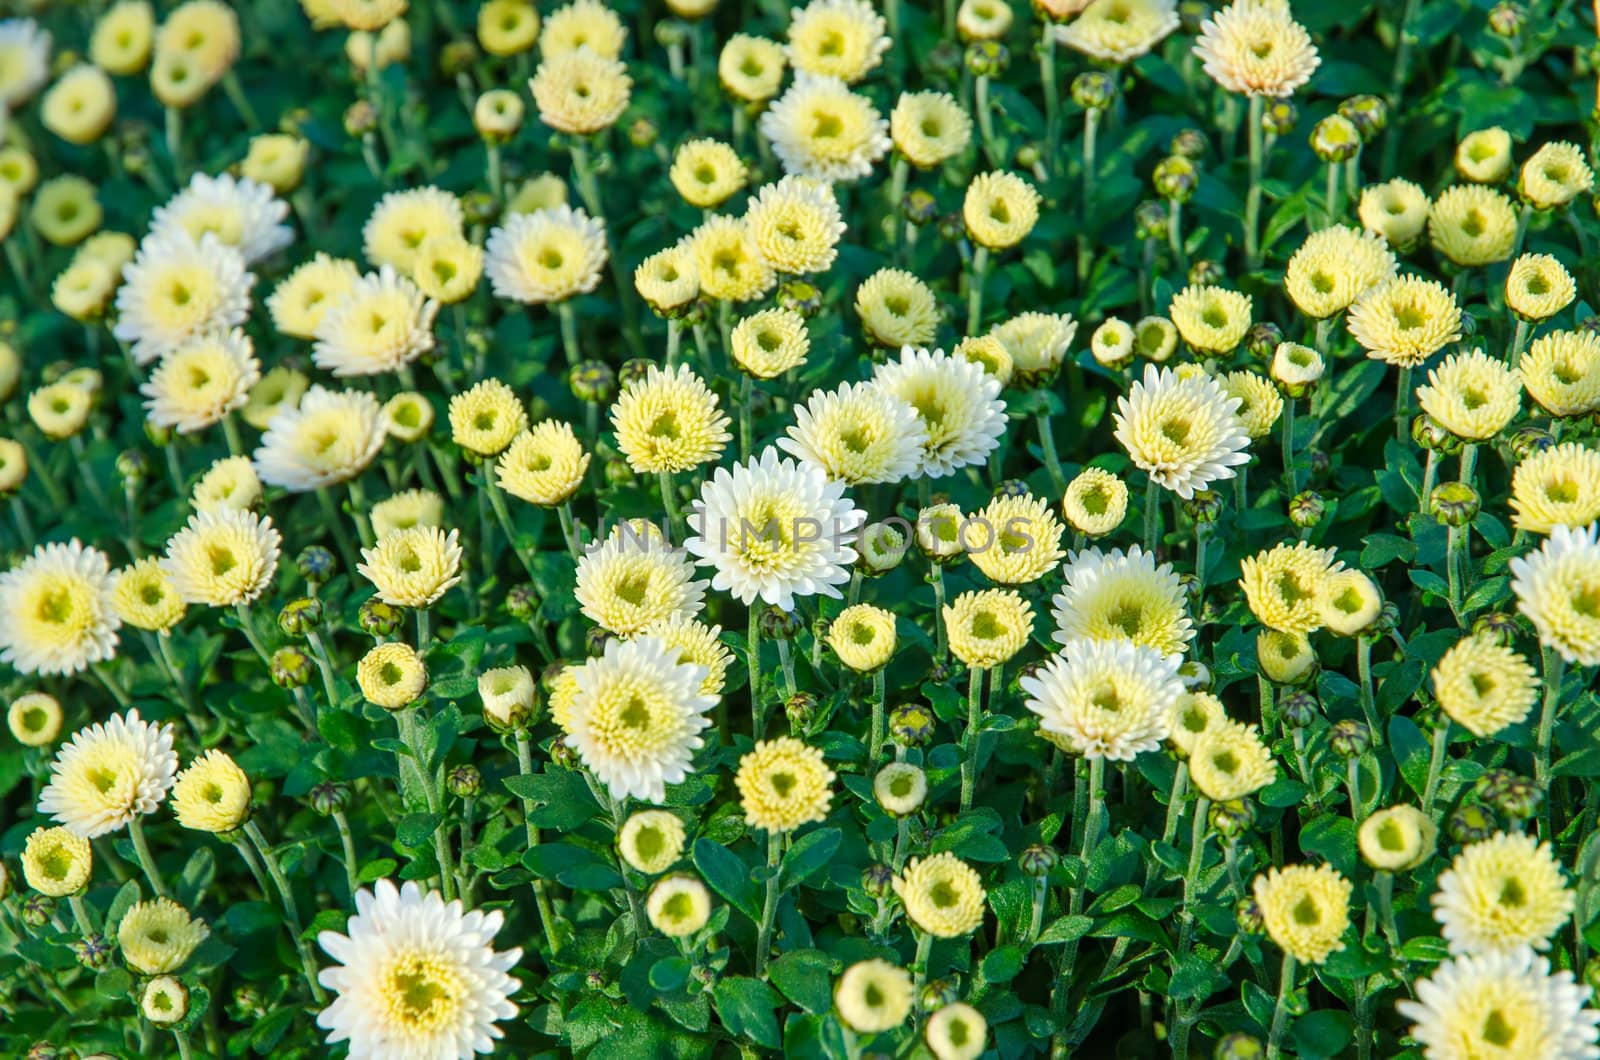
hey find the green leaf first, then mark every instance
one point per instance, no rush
(1321, 1034)
(747, 1008)
(1001, 965)
(416, 829)
(726, 874)
(1412, 751)
(669, 973)
(1332, 838)
(1064, 929)
(809, 855)
(1195, 979)
(562, 799)
(804, 977)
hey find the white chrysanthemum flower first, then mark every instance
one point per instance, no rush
(1181, 429)
(796, 224)
(1119, 31)
(24, 62)
(223, 557)
(331, 437)
(200, 382)
(1506, 1004)
(1256, 48)
(837, 38)
(1105, 698)
(1502, 893)
(1558, 589)
(239, 212)
(57, 612)
(413, 566)
(626, 585)
(635, 717)
(383, 323)
(858, 433)
(776, 529)
(418, 977)
(106, 774)
(821, 129)
(958, 402)
(403, 221)
(549, 255)
(175, 289)
(1112, 596)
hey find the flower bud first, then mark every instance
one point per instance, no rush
(1037, 861)
(1233, 817)
(1298, 708)
(164, 1000)
(1175, 179)
(360, 119)
(45, 1051)
(801, 709)
(1285, 658)
(378, 619)
(37, 909)
(1296, 369)
(593, 381)
(877, 880)
(1397, 839)
(247, 1005)
(1203, 506)
(1093, 90)
(1150, 220)
(1335, 139)
(291, 668)
(1516, 798)
(92, 951)
(329, 797)
(778, 624)
(1189, 143)
(617, 473)
(522, 601)
(1206, 273)
(1429, 433)
(642, 134)
(498, 115)
(1027, 156)
(464, 782)
(1368, 113)
(134, 467)
(1238, 1045)
(800, 296)
(1247, 914)
(1454, 503)
(1500, 627)
(1350, 739)
(880, 549)
(1471, 823)
(457, 57)
(911, 725)
(1507, 20)
(1530, 440)
(562, 753)
(1112, 343)
(1307, 509)
(315, 565)
(986, 58)
(1196, 677)
(936, 994)
(300, 617)
(919, 207)
(1279, 117)
(1263, 340)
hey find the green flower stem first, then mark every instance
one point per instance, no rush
(980, 269)
(1091, 836)
(112, 685)
(174, 132)
(1152, 515)
(291, 912)
(541, 896)
(969, 738)
(253, 863)
(230, 432)
(674, 340)
(1554, 671)
(746, 397)
(1384, 882)
(1469, 461)
(1230, 861)
(880, 707)
(991, 146)
(1280, 1011)
(1047, 446)
(358, 511)
(1191, 874)
(669, 497)
(1522, 231)
(352, 864)
(1452, 561)
(1269, 716)
(1041, 891)
(569, 333)
(919, 965)
(570, 530)
(496, 173)
(1352, 781)
(1252, 203)
(769, 907)
(247, 624)
(902, 834)
(182, 1038)
(1519, 341)
(319, 652)
(502, 515)
(80, 915)
(1402, 403)
(1352, 176)
(1369, 705)
(1180, 788)
(330, 514)
(1303, 764)
(936, 576)
(899, 176)
(141, 850)
(786, 668)
(1180, 254)
(1397, 82)
(1430, 472)
(752, 658)
(1291, 485)
(1052, 92)
(81, 459)
(1332, 192)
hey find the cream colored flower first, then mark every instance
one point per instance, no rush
(1256, 48)
(413, 567)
